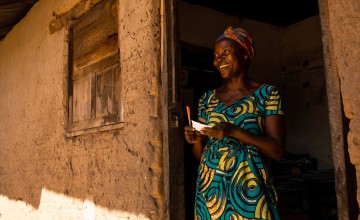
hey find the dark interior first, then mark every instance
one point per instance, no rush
(303, 193)
(279, 13)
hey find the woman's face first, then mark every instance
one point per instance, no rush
(229, 58)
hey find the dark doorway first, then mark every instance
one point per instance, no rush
(198, 76)
(305, 192)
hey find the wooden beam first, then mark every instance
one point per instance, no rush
(11, 2)
(4, 31)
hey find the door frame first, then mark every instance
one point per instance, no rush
(169, 68)
(173, 153)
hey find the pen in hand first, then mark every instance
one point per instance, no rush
(188, 114)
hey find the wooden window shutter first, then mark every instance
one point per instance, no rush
(94, 88)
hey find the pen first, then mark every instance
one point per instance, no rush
(188, 114)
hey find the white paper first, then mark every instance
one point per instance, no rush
(198, 126)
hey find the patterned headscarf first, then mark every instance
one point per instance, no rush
(242, 37)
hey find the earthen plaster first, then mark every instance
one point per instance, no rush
(340, 21)
(344, 20)
(119, 170)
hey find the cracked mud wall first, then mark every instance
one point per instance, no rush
(341, 38)
(119, 171)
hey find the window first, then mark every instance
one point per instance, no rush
(94, 83)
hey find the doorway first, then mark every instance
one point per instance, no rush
(301, 75)
(197, 76)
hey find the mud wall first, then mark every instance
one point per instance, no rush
(112, 174)
(340, 21)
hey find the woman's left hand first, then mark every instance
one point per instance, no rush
(221, 130)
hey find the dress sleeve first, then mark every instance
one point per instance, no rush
(202, 114)
(273, 102)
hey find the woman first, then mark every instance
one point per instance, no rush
(247, 126)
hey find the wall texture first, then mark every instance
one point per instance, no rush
(340, 21)
(43, 173)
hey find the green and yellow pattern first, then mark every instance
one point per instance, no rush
(233, 180)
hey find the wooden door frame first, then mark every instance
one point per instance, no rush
(173, 159)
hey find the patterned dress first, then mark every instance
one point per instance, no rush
(233, 181)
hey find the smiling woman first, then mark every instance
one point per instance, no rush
(246, 125)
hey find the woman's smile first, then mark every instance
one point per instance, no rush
(228, 58)
(222, 66)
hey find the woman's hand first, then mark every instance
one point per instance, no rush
(221, 130)
(192, 136)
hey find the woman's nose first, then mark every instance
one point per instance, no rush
(220, 57)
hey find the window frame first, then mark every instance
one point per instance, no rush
(104, 73)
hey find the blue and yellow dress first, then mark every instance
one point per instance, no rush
(233, 181)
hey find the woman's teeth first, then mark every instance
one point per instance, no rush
(222, 66)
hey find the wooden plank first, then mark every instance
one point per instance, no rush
(109, 48)
(97, 122)
(93, 92)
(82, 98)
(94, 14)
(107, 102)
(95, 30)
(97, 66)
(11, 2)
(91, 41)
(12, 13)
(96, 129)
(173, 157)
(90, 62)
(5, 30)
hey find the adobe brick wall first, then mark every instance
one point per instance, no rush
(46, 175)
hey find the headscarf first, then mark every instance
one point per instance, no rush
(242, 37)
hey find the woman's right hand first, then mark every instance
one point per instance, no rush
(192, 136)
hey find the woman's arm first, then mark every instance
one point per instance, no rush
(272, 144)
(197, 150)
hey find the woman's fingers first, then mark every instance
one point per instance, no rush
(220, 130)
(188, 128)
(216, 132)
(191, 135)
(209, 132)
